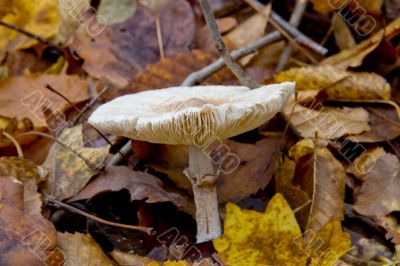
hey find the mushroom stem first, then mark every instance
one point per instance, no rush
(203, 177)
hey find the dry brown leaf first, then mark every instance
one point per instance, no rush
(71, 169)
(379, 194)
(24, 238)
(354, 57)
(130, 259)
(124, 49)
(337, 84)
(30, 175)
(323, 178)
(370, 6)
(329, 122)
(26, 97)
(81, 249)
(172, 71)
(141, 185)
(255, 171)
(385, 125)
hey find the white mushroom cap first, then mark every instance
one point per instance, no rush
(191, 115)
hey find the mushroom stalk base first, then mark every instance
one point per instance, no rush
(203, 177)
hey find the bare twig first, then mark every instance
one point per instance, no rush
(15, 142)
(294, 20)
(70, 208)
(125, 150)
(202, 74)
(159, 37)
(31, 35)
(222, 50)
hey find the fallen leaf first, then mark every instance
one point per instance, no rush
(24, 238)
(370, 6)
(141, 186)
(30, 175)
(384, 123)
(71, 169)
(170, 72)
(124, 258)
(39, 17)
(354, 57)
(337, 84)
(274, 238)
(252, 174)
(124, 49)
(81, 249)
(379, 194)
(115, 12)
(323, 178)
(26, 97)
(363, 163)
(329, 122)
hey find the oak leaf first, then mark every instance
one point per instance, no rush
(72, 166)
(274, 238)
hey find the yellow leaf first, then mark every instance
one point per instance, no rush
(274, 238)
(39, 17)
(362, 6)
(338, 84)
(169, 263)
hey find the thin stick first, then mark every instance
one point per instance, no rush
(202, 74)
(49, 87)
(70, 208)
(125, 150)
(294, 20)
(159, 37)
(31, 35)
(285, 28)
(15, 142)
(222, 50)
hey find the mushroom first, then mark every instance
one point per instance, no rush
(193, 116)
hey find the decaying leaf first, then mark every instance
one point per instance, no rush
(39, 17)
(81, 249)
(119, 52)
(70, 169)
(323, 178)
(379, 194)
(171, 71)
(384, 123)
(26, 97)
(343, 37)
(354, 57)
(253, 173)
(141, 185)
(30, 175)
(130, 259)
(24, 238)
(329, 122)
(274, 238)
(337, 84)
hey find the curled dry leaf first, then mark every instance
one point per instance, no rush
(343, 37)
(254, 172)
(71, 168)
(379, 194)
(329, 122)
(30, 175)
(141, 185)
(81, 249)
(39, 17)
(274, 238)
(119, 52)
(354, 57)
(25, 97)
(24, 238)
(336, 84)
